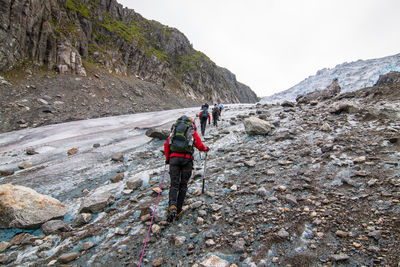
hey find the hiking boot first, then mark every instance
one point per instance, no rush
(171, 213)
(179, 215)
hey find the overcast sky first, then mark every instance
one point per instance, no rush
(271, 45)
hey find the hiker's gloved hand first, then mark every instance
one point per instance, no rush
(208, 149)
(167, 161)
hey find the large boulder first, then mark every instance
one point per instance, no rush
(158, 133)
(99, 199)
(256, 126)
(23, 207)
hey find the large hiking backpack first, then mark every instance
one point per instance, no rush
(181, 137)
(204, 113)
(215, 111)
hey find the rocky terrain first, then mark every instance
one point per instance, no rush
(313, 184)
(99, 55)
(44, 98)
(351, 76)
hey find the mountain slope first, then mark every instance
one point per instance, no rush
(63, 35)
(351, 76)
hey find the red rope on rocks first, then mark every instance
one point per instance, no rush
(152, 217)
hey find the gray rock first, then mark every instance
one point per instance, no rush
(96, 202)
(372, 182)
(283, 234)
(375, 234)
(3, 246)
(87, 245)
(25, 165)
(117, 178)
(262, 191)
(156, 229)
(22, 207)
(239, 245)
(340, 257)
(83, 218)
(200, 221)
(46, 246)
(287, 104)
(134, 183)
(216, 207)
(6, 172)
(31, 151)
(6, 259)
(4, 81)
(210, 243)
(55, 226)
(179, 241)
(68, 257)
(256, 126)
(291, 199)
(119, 231)
(158, 133)
(214, 261)
(202, 213)
(118, 157)
(250, 163)
(339, 108)
(272, 199)
(196, 204)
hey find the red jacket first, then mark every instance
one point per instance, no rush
(208, 114)
(196, 142)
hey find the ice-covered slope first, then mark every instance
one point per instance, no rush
(352, 76)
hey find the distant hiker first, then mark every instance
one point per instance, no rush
(205, 105)
(221, 107)
(215, 114)
(178, 150)
(203, 115)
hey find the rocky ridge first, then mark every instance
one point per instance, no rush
(287, 185)
(351, 76)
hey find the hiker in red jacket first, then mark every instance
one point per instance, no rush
(178, 150)
(203, 115)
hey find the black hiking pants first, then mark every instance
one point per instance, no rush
(203, 123)
(180, 170)
(215, 118)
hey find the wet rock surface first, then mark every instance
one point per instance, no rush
(326, 196)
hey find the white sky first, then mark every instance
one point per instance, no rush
(271, 45)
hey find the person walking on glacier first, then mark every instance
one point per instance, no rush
(215, 114)
(178, 150)
(203, 116)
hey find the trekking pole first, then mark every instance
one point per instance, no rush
(152, 217)
(204, 172)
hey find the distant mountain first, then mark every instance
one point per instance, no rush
(351, 76)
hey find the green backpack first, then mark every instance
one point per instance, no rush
(181, 137)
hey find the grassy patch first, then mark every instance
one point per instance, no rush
(19, 73)
(78, 7)
(191, 62)
(129, 32)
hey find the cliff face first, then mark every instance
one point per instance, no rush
(64, 34)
